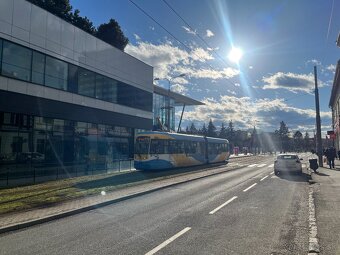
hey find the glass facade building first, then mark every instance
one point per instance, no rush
(70, 104)
(161, 106)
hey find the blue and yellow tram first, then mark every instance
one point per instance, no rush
(162, 150)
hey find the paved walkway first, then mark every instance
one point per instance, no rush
(327, 203)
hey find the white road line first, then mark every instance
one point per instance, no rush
(313, 229)
(264, 178)
(272, 173)
(222, 205)
(261, 165)
(165, 243)
(272, 165)
(252, 165)
(249, 187)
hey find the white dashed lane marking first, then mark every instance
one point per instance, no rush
(261, 165)
(252, 165)
(249, 187)
(264, 178)
(272, 165)
(165, 243)
(222, 205)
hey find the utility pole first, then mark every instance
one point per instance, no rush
(318, 120)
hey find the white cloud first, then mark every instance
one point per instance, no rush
(137, 37)
(290, 81)
(166, 57)
(331, 68)
(202, 73)
(231, 92)
(250, 67)
(178, 88)
(209, 33)
(162, 57)
(313, 62)
(188, 30)
(201, 55)
(213, 49)
(243, 111)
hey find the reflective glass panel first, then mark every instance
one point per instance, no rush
(16, 61)
(56, 73)
(86, 82)
(38, 65)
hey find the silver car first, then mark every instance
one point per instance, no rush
(287, 163)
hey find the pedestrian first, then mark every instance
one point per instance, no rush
(339, 154)
(331, 155)
(313, 162)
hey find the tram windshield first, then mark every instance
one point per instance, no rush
(142, 145)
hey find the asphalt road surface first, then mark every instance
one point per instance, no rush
(244, 211)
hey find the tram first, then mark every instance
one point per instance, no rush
(162, 150)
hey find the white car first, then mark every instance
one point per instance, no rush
(287, 163)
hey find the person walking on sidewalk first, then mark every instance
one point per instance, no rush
(313, 161)
(331, 155)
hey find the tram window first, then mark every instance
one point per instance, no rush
(157, 146)
(201, 148)
(212, 148)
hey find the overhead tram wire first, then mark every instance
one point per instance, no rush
(171, 34)
(197, 34)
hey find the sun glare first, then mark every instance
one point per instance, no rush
(235, 55)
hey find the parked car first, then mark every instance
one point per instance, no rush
(287, 163)
(34, 157)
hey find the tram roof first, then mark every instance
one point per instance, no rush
(179, 99)
(183, 136)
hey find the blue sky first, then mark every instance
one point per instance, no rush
(281, 41)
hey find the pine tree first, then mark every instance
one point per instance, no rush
(211, 129)
(231, 132)
(193, 130)
(223, 131)
(282, 135)
(204, 130)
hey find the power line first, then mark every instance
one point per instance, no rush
(171, 34)
(197, 34)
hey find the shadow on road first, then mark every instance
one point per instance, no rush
(321, 174)
(140, 176)
(295, 177)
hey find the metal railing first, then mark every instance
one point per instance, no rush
(15, 174)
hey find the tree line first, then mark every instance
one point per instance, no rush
(110, 32)
(279, 140)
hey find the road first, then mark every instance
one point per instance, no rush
(245, 211)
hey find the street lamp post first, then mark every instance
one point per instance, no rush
(168, 107)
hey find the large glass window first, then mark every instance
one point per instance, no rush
(106, 88)
(16, 61)
(38, 66)
(86, 82)
(56, 73)
(0, 53)
(29, 65)
(126, 95)
(72, 85)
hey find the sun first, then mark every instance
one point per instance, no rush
(235, 55)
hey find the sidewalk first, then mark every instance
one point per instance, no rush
(327, 203)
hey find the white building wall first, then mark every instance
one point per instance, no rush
(33, 27)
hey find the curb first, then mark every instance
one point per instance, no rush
(99, 205)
